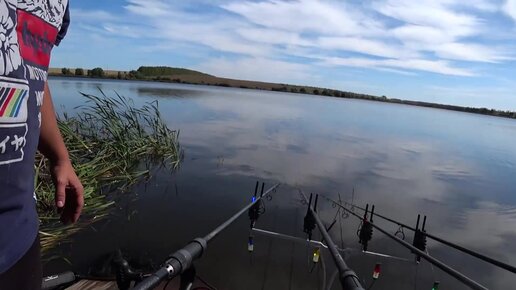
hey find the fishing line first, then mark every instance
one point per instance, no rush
(274, 226)
(166, 284)
(431, 267)
(371, 285)
(415, 276)
(205, 283)
(332, 279)
(323, 266)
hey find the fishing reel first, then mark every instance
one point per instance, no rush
(258, 208)
(420, 237)
(125, 274)
(254, 212)
(309, 220)
(365, 231)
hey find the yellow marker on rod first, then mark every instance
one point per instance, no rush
(316, 255)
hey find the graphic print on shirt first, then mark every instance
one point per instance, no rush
(14, 94)
(10, 59)
(28, 32)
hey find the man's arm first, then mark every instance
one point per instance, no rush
(69, 190)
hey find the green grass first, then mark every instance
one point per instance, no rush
(112, 145)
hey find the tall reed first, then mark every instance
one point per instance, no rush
(112, 145)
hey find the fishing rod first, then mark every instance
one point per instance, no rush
(475, 254)
(366, 234)
(181, 261)
(347, 277)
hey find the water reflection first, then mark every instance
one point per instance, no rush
(168, 92)
(456, 168)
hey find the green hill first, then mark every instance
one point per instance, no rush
(155, 71)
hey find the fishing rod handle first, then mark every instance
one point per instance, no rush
(153, 280)
(51, 282)
(350, 281)
(179, 262)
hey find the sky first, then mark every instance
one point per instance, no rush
(445, 51)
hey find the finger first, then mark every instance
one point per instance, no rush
(78, 199)
(69, 208)
(60, 196)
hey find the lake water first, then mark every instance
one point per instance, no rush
(459, 169)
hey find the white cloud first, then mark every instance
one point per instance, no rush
(430, 31)
(272, 36)
(366, 46)
(321, 17)
(470, 52)
(510, 8)
(92, 15)
(421, 34)
(435, 66)
(445, 37)
(151, 8)
(257, 69)
(430, 13)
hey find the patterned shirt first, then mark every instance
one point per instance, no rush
(29, 29)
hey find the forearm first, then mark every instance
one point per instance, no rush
(50, 141)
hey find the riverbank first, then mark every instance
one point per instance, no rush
(186, 76)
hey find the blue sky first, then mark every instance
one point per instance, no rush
(446, 51)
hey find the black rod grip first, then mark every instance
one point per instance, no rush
(153, 280)
(51, 282)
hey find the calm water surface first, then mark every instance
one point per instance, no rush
(459, 169)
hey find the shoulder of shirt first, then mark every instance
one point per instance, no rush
(51, 11)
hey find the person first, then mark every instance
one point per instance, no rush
(29, 29)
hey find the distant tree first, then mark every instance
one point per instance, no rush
(97, 72)
(293, 90)
(79, 72)
(135, 75)
(66, 71)
(325, 92)
(119, 75)
(302, 90)
(89, 73)
(316, 92)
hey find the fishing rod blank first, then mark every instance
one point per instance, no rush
(182, 260)
(482, 257)
(452, 272)
(348, 278)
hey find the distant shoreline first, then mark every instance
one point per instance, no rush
(185, 76)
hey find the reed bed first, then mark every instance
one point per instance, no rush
(112, 145)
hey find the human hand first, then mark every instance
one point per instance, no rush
(69, 197)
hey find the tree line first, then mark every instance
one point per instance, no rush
(98, 72)
(163, 73)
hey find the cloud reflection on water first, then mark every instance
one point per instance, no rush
(403, 159)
